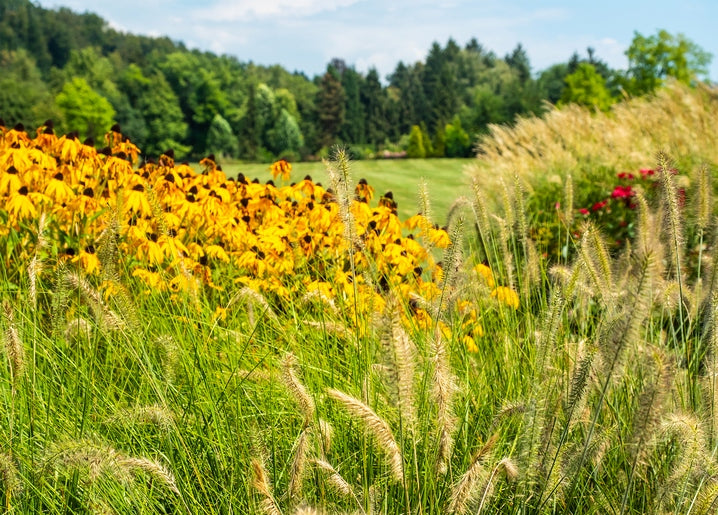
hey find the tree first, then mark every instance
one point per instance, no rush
(373, 98)
(586, 87)
(352, 130)
(457, 142)
(84, 110)
(285, 136)
(24, 97)
(415, 148)
(331, 107)
(651, 60)
(220, 140)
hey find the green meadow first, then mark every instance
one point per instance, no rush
(446, 179)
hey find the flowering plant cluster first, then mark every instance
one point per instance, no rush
(178, 230)
(616, 212)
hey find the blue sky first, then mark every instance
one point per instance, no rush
(304, 35)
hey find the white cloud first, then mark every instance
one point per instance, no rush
(245, 10)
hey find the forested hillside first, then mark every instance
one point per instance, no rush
(78, 71)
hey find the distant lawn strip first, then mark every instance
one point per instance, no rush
(445, 178)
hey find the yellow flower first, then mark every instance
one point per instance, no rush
(283, 168)
(506, 295)
(20, 207)
(470, 344)
(485, 272)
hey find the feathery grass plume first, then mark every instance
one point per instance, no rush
(519, 196)
(595, 261)
(341, 180)
(673, 215)
(464, 488)
(106, 318)
(298, 467)
(507, 257)
(710, 382)
(577, 387)
(35, 266)
(153, 468)
(78, 330)
(9, 477)
(154, 415)
(336, 328)
(94, 460)
(648, 414)
(335, 479)
(13, 345)
(400, 361)
(296, 389)
(169, 351)
(252, 298)
(425, 202)
(261, 484)
(456, 208)
(453, 260)
(505, 468)
(481, 214)
(568, 201)
(707, 502)
(375, 426)
(320, 298)
(108, 248)
(325, 433)
(60, 300)
(532, 269)
(307, 510)
(704, 200)
(443, 388)
(508, 204)
(690, 456)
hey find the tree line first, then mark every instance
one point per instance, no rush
(75, 69)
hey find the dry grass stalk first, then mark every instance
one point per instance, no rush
(13, 345)
(375, 426)
(154, 415)
(298, 467)
(9, 476)
(573, 137)
(506, 468)
(443, 388)
(704, 200)
(35, 266)
(400, 365)
(260, 482)
(336, 481)
(152, 467)
(336, 328)
(297, 389)
(464, 488)
(78, 330)
(252, 298)
(318, 296)
(106, 318)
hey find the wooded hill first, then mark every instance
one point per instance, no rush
(75, 69)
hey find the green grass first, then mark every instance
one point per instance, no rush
(445, 178)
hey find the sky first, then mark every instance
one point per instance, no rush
(304, 35)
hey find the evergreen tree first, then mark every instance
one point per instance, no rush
(415, 148)
(352, 130)
(374, 101)
(330, 107)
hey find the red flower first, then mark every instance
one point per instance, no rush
(645, 172)
(622, 192)
(625, 175)
(599, 205)
(583, 211)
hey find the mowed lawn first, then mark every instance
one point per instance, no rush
(445, 177)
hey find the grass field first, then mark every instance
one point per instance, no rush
(445, 177)
(173, 342)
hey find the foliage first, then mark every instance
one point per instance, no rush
(84, 110)
(220, 139)
(587, 88)
(457, 140)
(653, 59)
(415, 147)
